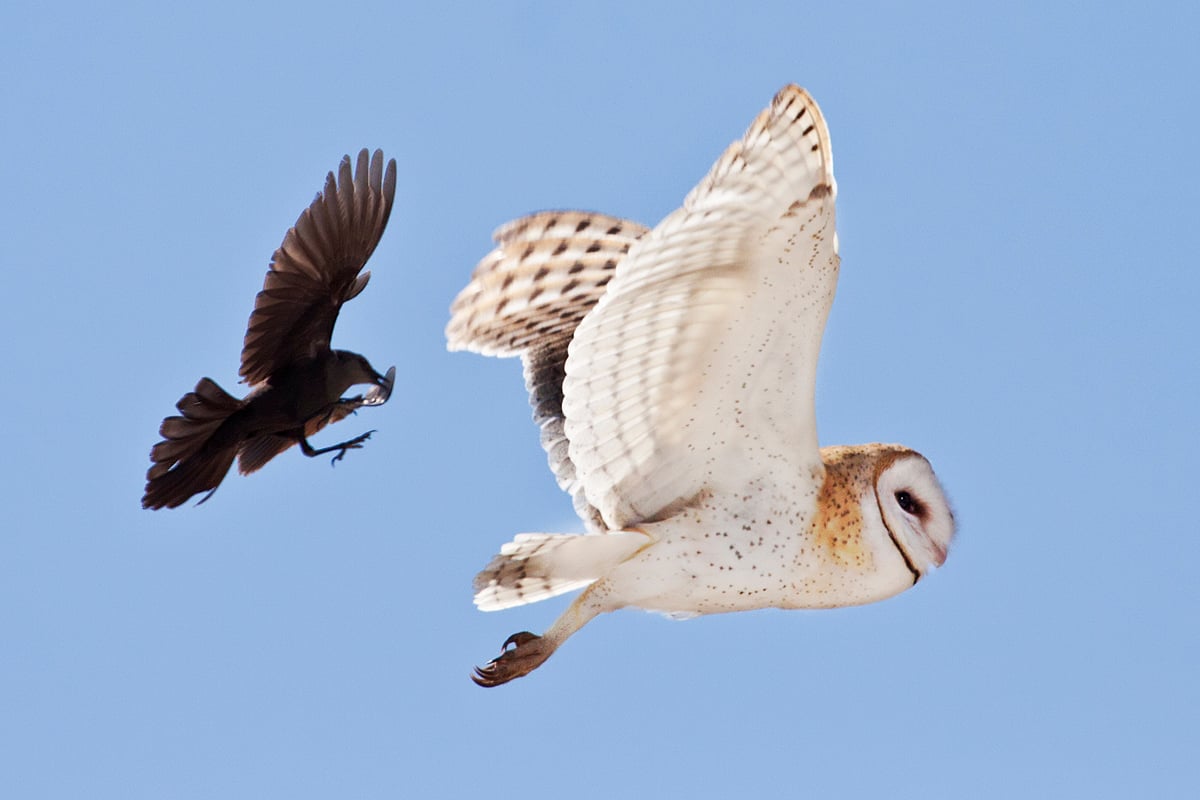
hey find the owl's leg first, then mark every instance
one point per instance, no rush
(531, 650)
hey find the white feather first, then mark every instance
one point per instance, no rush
(536, 566)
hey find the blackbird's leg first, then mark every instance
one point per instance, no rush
(350, 444)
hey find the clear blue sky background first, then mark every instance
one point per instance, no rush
(1019, 189)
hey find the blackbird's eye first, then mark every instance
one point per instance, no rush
(909, 503)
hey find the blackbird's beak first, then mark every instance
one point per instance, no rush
(382, 390)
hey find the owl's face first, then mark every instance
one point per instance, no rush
(915, 510)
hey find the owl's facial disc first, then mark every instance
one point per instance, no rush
(915, 511)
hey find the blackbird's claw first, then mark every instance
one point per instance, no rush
(354, 444)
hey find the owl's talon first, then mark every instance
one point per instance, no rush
(518, 639)
(527, 654)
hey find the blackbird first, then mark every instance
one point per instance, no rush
(297, 380)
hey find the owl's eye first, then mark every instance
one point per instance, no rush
(909, 503)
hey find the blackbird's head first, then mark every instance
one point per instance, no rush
(352, 369)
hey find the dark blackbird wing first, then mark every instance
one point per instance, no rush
(316, 269)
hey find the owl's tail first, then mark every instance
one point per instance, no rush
(537, 566)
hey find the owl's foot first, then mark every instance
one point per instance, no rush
(527, 655)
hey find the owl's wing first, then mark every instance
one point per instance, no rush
(316, 269)
(699, 361)
(526, 297)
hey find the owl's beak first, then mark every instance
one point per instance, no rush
(930, 554)
(939, 553)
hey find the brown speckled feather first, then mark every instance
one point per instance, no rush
(546, 272)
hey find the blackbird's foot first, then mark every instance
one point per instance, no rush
(354, 444)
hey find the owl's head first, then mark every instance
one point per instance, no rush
(914, 507)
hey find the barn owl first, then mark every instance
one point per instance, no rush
(671, 371)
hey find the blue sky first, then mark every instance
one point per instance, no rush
(1018, 188)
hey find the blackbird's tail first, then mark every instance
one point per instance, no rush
(197, 448)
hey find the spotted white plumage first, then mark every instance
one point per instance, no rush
(672, 372)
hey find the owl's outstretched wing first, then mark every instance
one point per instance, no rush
(316, 269)
(698, 363)
(527, 296)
